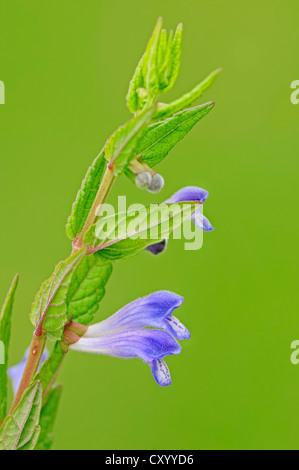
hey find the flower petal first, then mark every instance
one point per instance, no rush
(145, 344)
(176, 328)
(157, 248)
(202, 222)
(151, 311)
(189, 193)
(161, 372)
(16, 372)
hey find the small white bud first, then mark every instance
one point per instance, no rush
(143, 180)
(157, 184)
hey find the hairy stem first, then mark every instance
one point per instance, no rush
(34, 358)
(101, 197)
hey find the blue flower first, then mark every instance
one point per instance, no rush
(188, 194)
(124, 334)
(15, 373)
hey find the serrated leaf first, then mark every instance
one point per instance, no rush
(50, 367)
(121, 147)
(31, 445)
(186, 100)
(150, 70)
(86, 196)
(49, 311)
(126, 234)
(136, 83)
(162, 48)
(157, 70)
(88, 288)
(172, 60)
(162, 136)
(146, 73)
(47, 418)
(5, 327)
(165, 67)
(176, 52)
(21, 428)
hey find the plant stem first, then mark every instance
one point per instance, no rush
(35, 354)
(101, 197)
(39, 341)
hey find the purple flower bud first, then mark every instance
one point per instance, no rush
(157, 248)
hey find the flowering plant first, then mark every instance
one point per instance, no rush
(63, 311)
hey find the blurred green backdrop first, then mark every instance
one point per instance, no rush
(66, 66)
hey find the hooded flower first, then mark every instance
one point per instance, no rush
(15, 373)
(124, 334)
(188, 194)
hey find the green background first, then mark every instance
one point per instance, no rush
(66, 66)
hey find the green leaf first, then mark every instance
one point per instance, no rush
(86, 196)
(172, 60)
(158, 69)
(127, 234)
(136, 84)
(49, 368)
(47, 418)
(31, 445)
(164, 69)
(20, 430)
(162, 136)
(49, 311)
(85, 291)
(88, 288)
(176, 52)
(5, 326)
(186, 100)
(163, 48)
(146, 76)
(121, 147)
(150, 71)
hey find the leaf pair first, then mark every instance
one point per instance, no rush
(119, 150)
(158, 69)
(135, 139)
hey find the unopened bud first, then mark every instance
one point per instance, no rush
(157, 184)
(143, 180)
(157, 248)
